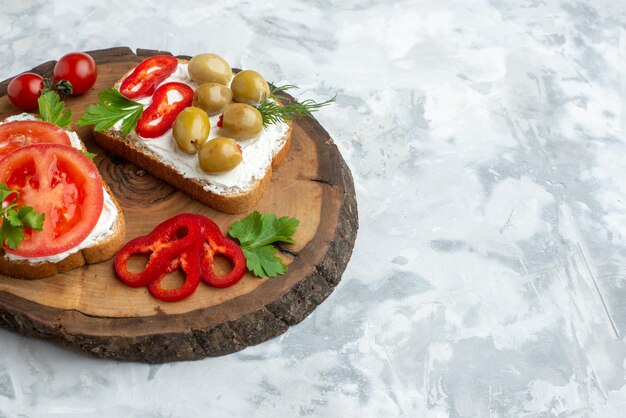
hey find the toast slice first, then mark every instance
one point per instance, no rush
(229, 198)
(103, 247)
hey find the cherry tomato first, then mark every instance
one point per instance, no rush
(168, 101)
(14, 135)
(24, 90)
(62, 183)
(79, 69)
(148, 75)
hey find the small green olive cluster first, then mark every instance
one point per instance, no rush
(239, 120)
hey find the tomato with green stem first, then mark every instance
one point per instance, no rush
(79, 69)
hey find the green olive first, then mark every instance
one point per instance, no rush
(209, 68)
(219, 155)
(191, 129)
(212, 97)
(250, 87)
(242, 121)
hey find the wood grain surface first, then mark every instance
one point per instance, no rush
(90, 309)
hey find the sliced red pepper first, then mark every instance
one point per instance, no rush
(188, 262)
(216, 243)
(164, 244)
(148, 75)
(189, 242)
(167, 102)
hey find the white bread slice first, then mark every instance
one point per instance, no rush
(202, 190)
(100, 250)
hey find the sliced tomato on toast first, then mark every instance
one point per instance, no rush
(14, 135)
(63, 184)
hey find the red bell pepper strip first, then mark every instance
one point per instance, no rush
(164, 244)
(148, 75)
(216, 243)
(167, 102)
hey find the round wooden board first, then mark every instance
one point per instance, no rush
(91, 309)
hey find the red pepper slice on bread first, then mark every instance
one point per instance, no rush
(147, 75)
(168, 101)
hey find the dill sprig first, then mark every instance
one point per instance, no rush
(274, 90)
(272, 112)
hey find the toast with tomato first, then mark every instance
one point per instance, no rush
(184, 140)
(57, 213)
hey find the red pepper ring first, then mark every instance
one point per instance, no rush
(164, 244)
(186, 241)
(216, 243)
(188, 262)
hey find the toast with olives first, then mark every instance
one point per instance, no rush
(103, 248)
(228, 200)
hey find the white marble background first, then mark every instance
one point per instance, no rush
(488, 146)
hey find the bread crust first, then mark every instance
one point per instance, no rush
(124, 146)
(102, 251)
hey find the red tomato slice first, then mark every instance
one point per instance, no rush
(168, 101)
(14, 135)
(62, 183)
(147, 75)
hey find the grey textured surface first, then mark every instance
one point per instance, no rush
(487, 145)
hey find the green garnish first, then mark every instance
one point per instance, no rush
(256, 234)
(89, 155)
(274, 90)
(15, 220)
(112, 108)
(273, 113)
(52, 109)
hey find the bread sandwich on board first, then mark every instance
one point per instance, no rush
(77, 228)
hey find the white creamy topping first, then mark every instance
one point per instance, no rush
(257, 153)
(102, 230)
(174, 96)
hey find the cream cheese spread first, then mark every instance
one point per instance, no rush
(102, 230)
(257, 153)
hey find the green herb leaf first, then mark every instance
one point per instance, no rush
(89, 155)
(262, 261)
(30, 218)
(112, 108)
(10, 235)
(52, 109)
(15, 221)
(5, 192)
(13, 216)
(273, 113)
(256, 234)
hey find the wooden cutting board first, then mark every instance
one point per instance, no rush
(91, 309)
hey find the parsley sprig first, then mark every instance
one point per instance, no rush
(256, 234)
(52, 109)
(112, 108)
(16, 219)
